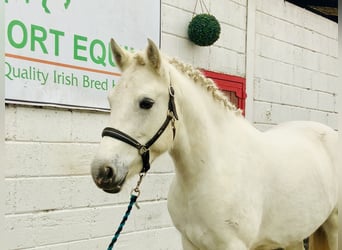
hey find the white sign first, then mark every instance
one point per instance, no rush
(57, 51)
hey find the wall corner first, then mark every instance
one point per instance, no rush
(250, 58)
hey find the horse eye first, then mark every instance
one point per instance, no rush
(146, 103)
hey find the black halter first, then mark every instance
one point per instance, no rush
(144, 150)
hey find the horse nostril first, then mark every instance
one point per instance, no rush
(104, 176)
(108, 172)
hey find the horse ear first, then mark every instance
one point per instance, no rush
(153, 55)
(122, 57)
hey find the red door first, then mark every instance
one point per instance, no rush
(233, 86)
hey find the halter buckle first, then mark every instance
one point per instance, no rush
(171, 114)
(171, 91)
(143, 150)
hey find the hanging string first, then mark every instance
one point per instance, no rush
(201, 3)
(194, 12)
(203, 6)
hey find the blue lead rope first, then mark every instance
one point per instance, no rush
(134, 196)
(123, 222)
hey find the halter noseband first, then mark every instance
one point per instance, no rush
(144, 150)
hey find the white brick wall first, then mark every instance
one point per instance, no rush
(226, 55)
(295, 65)
(51, 201)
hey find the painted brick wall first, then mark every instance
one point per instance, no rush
(51, 201)
(295, 67)
(226, 55)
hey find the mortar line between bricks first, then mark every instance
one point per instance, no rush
(44, 246)
(293, 86)
(296, 45)
(221, 21)
(84, 208)
(217, 46)
(299, 66)
(295, 106)
(295, 24)
(175, 35)
(191, 11)
(127, 233)
(19, 178)
(11, 140)
(40, 177)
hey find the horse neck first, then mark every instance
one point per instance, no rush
(203, 125)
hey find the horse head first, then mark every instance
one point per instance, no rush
(141, 110)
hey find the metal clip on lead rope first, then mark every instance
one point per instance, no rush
(136, 190)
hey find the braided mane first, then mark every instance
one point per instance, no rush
(198, 77)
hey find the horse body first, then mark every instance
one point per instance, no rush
(301, 188)
(244, 182)
(235, 188)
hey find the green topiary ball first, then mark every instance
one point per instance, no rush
(204, 29)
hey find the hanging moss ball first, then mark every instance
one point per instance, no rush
(204, 29)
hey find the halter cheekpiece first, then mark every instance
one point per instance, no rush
(144, 149)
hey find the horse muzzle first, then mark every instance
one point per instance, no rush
(106, 179)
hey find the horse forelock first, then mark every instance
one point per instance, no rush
(207, 83)
(139, 59)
